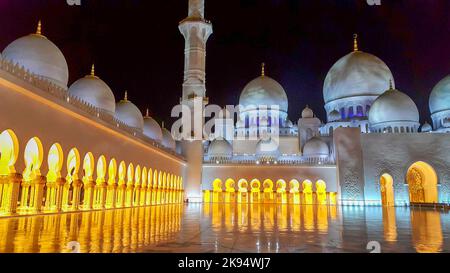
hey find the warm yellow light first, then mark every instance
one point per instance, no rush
(55, 162)
(33, 159)
(9, 151)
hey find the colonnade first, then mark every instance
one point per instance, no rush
(280, 192)
(102, 185)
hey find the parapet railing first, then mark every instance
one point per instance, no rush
(64, 97)
(307, 161)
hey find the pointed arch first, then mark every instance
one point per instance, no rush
(55, 162)
(88, 166)
(101, 169)
(33, 157)
(112, 171)
(9, 152)
(73, 164)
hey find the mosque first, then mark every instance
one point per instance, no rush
(73, 147)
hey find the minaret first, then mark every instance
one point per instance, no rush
(196, 31)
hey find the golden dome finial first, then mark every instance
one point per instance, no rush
(263, 69)
(39, 28)
(93, 70)
(126, 96)
(162, 124)
(147, 113)
(355, 42)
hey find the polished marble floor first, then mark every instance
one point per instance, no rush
(230, 228)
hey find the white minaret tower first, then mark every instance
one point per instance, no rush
(196, 31)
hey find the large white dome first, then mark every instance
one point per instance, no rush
(356, 74)
(167, 140)
(152, 128)
(94, 91)
(129, 114)
(39, 55)
(440, 96)
(220, 148)
(315, 147)
(264, 91)
(393, 106)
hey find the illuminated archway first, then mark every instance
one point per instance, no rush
(101, 170)
(122, 172)
(148, 193)
(112, 172)
(217, 185)
(321, 192)
(31, 190)
(55, 162)
(307, 192)
(281, 192)
(9, 151)
(121, 189)
(100, 183)
(130, 174)
(268, 186)
(71, 191)
(144, 185)
(53, 190)
(129, 186)
(422, 182)
(281, 186)
(294, 190)
(255, 188)
(33, 156)
(88, 167)
(111, 188)
(87, 190)
(242, 191)
(137, 186)
(387, 190)
(294, 186)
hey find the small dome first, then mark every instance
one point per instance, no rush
(307, 112)
(267, 148)
(356, 74)
(40, 56)
(152, 129)
(220, 148)
(440, 96)
(334, 116)
(426, 128)
(93, 90)
(129, 114)
(167, 140)
(393, 106)
(315, 147)
(264, 91)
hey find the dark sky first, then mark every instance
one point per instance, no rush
(136, 45)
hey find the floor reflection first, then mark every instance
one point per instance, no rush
(110, 231)
(230, 228)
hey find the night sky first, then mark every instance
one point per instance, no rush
(135, 44)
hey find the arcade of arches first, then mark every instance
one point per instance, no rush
(281, 192)
(102, 186)
(422, 184)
